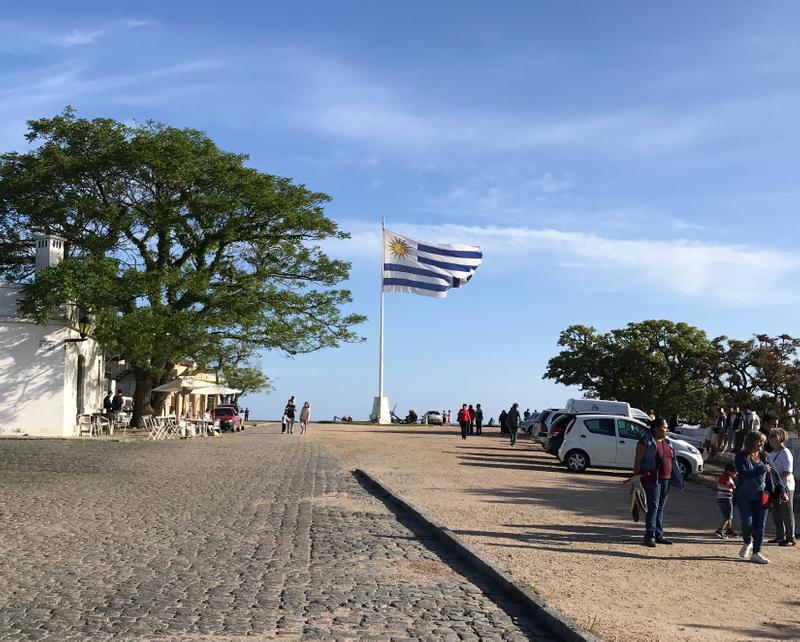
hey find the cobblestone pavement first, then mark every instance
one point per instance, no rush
(253, 534)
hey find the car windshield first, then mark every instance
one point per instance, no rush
(542, 415)
(225, 412)
(434, 412)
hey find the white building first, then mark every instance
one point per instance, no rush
(48, 375)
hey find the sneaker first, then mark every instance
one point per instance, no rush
(663, 540)
(731, 533)
(746, 551)
(784, 542)
(759, 558)
(649, 542)
(775, 540)
(720, 533)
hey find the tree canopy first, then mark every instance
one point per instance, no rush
(178, 248)
(674, 368)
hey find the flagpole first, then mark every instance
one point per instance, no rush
(380, 406)
(380, 354)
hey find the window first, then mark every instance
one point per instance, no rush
(600, 426)
(628, 430)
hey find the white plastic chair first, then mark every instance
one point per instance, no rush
(85, 425)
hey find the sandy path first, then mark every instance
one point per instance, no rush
(571, 537)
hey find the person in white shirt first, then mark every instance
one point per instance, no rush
(783, 464)
(751, 420)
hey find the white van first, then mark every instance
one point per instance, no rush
(597, 407)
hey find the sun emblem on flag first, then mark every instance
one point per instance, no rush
(399, 248)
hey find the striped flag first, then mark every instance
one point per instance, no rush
(425, 268)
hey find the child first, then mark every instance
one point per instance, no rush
(726, 485)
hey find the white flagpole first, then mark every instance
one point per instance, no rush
(380, 357)
(380, 406)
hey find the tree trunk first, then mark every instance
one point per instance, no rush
(141, 396)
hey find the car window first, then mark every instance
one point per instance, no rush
(628, 429)
(600, 426)
(563, 420)
(542, 415)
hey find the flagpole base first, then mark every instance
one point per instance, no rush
(380, 410)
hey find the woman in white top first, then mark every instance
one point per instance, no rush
(783, 464)
(305, 416)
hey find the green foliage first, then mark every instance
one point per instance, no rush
(247, 378)
(179, 248)
(673, 368)
(654, 364)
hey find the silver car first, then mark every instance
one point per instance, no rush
(432, 417)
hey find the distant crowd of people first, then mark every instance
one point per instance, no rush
(728, 429)
(469, 419)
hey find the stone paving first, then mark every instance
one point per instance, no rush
(254, 534)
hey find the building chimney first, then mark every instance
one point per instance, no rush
(49, 251)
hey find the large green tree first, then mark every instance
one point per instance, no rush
(179, 248)
(654, 364)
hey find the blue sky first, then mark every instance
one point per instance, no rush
(616, 164)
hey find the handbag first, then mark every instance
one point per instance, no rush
(774, 491)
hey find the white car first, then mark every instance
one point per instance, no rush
(432, 417)
(609, 441)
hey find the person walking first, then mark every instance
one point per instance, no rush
(478, 419)
(471, 412)
(289, 414)
(463, 420)
(751, 472)
(305, 417)
(502, 419)
(782, 463)
(512, 422)
(247, 414)
(655, 463)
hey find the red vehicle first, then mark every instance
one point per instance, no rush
(228, 418)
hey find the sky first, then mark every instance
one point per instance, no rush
(615, 163)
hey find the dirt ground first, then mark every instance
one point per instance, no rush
(571, 538)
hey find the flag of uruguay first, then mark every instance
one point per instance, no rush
(425, 268)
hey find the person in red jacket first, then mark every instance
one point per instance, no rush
(463, 420)
(471, 411)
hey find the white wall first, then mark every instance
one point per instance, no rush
(38, 374)
(31, 379)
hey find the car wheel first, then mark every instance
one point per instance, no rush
(577, 461)
(684, 467)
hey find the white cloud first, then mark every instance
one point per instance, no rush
(737, 275)
(20, 38)
(46, 91)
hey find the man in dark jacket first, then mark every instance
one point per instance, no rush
(502, 420)
(512, 422)
(478, 419)
(108, 408)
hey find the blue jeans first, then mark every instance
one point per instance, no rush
(656, 500)
(754, 520)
